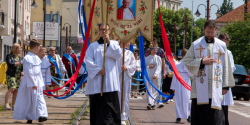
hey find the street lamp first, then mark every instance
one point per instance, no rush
(34, 6)
(218, 13)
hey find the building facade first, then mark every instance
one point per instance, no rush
(7, 15)
(70, 19)
(169, 4)
(53, 15)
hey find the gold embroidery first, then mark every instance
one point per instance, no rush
(219, 55)
(201, 49)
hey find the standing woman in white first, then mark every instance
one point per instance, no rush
(57, 67)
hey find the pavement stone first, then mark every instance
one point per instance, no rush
(59, 111)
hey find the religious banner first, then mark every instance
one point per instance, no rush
(125, 18)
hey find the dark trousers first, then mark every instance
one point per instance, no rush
(105, 110)
(225, 109)
(205, 115)
(142, 86)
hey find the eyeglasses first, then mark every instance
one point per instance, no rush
(103, 29)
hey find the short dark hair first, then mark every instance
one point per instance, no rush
(210, 24)
(224, 36)
(154, 39)
(34, 43)
(103, 23)
(184, 52)
(135, 53)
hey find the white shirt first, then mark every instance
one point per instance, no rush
(81, 71)
(94, 60)
(156, 61)
(127, 14)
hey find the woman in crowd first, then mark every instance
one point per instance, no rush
(137, 75)
(57, 68)
(13, 75)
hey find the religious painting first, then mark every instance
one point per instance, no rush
(126, 9)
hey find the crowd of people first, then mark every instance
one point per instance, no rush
(207, 66)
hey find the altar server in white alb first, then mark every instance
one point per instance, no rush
(207, 59)
(182, 95)
(129, 68)
(154, 64)
(103, 109)
(30, 103)
(45, 67)
(228, 98)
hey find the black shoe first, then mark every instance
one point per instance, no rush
(178, 120)
(189, 119)
(153, 107)
(149, 107)
(29, 122)
(42, 119)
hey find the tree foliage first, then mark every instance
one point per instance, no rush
(169, 17)
(200, 24)
(226, 7)
(239, 44)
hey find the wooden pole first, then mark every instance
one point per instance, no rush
(186, 24)
(245, 12)
(122, 77)
(208, 15)
(174, 38)
(103, 63)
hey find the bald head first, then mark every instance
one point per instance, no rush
(69, 50)
(126, 3)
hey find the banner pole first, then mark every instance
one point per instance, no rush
(103, 63)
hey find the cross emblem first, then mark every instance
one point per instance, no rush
(201, 49)
(219, 55)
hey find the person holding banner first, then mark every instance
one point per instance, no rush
(57, 67)
(153, 63)
(208, 60)
(182, 95)
(45, 67)
(129, 68)
(227, 98)
(70, 62)
(105, 109)
(137, 75)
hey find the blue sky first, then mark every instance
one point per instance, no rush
(188, 4)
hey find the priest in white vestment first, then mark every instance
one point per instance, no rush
(30, 103)
(154, 67)
(182, 95)
(129, 68)
(207, 59)
(227, 98)
(124, 12)
(103, 109)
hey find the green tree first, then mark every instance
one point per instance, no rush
(200, 24)
(239, 44)
(169, 17)
(226, 7)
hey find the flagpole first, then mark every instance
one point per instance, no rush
(103, 63)
(122, 78)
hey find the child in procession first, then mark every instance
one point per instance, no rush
(182, 95)
(30, 103)
(154, 64)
